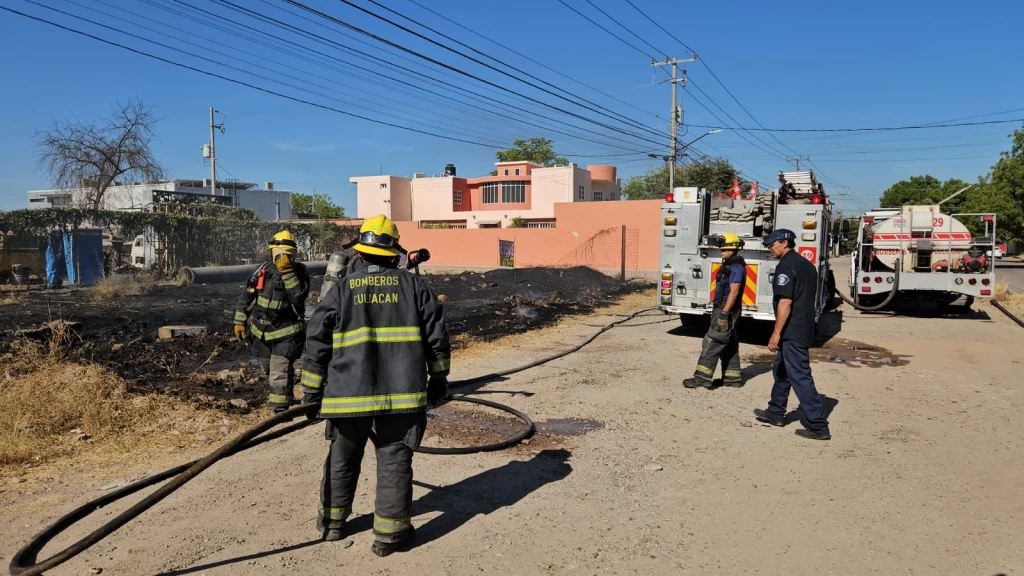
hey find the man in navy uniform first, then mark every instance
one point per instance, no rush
(795, 285)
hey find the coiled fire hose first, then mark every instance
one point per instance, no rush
(24, 561)
(876, 307)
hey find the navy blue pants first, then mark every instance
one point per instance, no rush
(792, 370)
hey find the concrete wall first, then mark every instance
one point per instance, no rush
(579, 225)
(389, 195)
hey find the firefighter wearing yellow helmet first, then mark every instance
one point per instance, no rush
(271, 311)
(722, 342)
(377, 353)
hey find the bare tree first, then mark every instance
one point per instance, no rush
(88, 158)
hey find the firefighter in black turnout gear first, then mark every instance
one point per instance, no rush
(722, 342)
(377, 353)
(271, 312)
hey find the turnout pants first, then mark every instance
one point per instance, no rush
(395, 438)
(721, 346)
(278, 359)
(792, 370)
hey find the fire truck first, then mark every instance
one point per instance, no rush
(937, 256)
(693, 221)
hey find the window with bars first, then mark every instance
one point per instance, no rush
(490, 193)
(513, 192)
(457, 197)
(598, 195)
(582, 194)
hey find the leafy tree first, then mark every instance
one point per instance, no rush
(318, 204)
(1002, 191)
(714, 174)
(517, 222)
(536, 150)
(925, 189)
(87, 158)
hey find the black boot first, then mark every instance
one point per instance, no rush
(732, 383)
(769, 418)
(329, 534)
(696, 382)
(822, 434)
(383, 549)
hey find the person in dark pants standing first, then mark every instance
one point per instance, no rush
(722, 341)
(794, 285)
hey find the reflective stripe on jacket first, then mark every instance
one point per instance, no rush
(277, 310)
(372, 342)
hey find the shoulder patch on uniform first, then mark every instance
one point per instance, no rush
(781, 279)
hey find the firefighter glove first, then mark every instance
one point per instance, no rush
(241, 332)
(722, 324)
(284, 263)
(437, 390)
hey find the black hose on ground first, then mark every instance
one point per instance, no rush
(877, 307)
(24, 561)
(1000, 307)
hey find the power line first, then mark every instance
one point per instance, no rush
(613, 34)
(368, 56)
(239, 82)
(626, 119)
(455, 69)
(876, 129)
(623, 26)
(524, 56)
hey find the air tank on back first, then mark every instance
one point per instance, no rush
(335, 269)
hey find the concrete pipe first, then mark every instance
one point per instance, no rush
(228, 274)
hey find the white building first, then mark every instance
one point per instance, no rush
(271, 205)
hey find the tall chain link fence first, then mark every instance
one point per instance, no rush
(612, 251)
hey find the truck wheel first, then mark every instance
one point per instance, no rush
(832, 300)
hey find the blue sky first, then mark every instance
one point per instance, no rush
(791, 64)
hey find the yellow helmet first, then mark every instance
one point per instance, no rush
(282, 239)
(378, 236)
(731, 241)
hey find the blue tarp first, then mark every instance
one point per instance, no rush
(55, 267)
(76, 256)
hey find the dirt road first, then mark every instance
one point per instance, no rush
(924, 474)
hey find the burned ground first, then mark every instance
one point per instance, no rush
(215, 371)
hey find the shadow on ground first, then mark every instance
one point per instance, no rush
(458, 503)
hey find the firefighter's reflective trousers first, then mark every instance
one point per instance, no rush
(395, 438)
(277, 360)
(721, 346)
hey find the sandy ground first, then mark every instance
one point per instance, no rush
(923, 475)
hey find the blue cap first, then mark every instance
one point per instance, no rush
(779, 234)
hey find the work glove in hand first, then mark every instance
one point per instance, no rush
(437, 390)
(284, 264)
(722, 324)
(241, 332)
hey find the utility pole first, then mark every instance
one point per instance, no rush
(796, 160)
(677, 112)
(213, 152)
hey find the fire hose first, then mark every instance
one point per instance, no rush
(876, 307)
(24, 561)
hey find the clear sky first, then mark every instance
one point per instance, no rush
(790, 64)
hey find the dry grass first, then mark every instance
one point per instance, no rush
(55, 405)
(120, 285)
(1012, 302)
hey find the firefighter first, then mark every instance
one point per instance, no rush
(722, 342)
(377, 353)
(795, 287)
(275, 298)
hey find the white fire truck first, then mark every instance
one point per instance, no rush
(938, 257)
(693, 219)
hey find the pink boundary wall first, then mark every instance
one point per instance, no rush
(576, 224)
